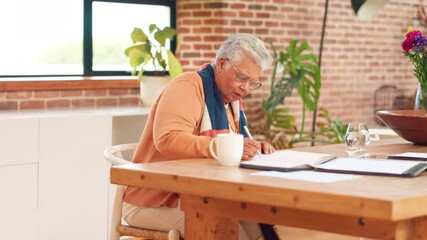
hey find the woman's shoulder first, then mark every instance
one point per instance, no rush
(192, 78)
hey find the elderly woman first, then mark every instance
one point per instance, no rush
(187, 115)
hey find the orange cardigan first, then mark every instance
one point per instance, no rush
(172, 132)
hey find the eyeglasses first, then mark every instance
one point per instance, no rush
(243, 79)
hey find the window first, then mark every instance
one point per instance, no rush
(74, 38)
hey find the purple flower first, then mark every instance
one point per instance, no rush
(414, 39)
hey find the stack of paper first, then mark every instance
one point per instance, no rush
(289, 160)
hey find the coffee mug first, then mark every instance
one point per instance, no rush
(229, 149)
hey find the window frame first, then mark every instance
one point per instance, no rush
(90, 79)
(87, 35)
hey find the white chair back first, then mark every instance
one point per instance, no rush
(115, 155)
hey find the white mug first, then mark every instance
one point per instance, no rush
(229, 148)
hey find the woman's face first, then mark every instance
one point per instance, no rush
(230, 75)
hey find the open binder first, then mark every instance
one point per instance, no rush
(289, 160)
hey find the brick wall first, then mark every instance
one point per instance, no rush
(358, 56)
(52, 99)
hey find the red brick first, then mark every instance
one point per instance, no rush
(191, 55)
(215, 5)
(19, 95)
(183, 14)
(118, 92)
(246, 30)
(191, 6)
(184, 47)
(71, 93)
(246, 14)
(209, 55)
(225, 30)
(63, 103)
(106, 102)
(215, 21)
(83, 102)
(271, 24)
(238, 6)
(46, 94)
(238, 22)
(255, 6)
(202, 14)
(202, 30)
(192, 38)
(271, 8)
(262, 31)
(183, 30)
(214, 38)
(263, 15)
(225, 14)
(255, 23)
(8, 105)
(135, 91)
(35, 104)
(191, 22)
(202, 47)
(96, 93)
(130, 101)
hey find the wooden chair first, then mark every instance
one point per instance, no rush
(115, 155)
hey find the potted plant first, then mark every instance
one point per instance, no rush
(149, 52)
(298, 70)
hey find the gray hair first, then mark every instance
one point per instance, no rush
(240, 43)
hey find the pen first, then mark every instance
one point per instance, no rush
(250, 136)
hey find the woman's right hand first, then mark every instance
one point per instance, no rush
(250, 148)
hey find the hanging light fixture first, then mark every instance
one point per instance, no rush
(366, 9)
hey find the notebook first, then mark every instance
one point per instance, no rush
(290, 160)
(287, 160)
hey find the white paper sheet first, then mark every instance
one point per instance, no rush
(288, 159)
(412, 154)
(309, 176)
(369, 165)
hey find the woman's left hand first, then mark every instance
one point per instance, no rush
(267, 148)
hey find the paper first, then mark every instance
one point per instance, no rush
(288, 159)
(412, 155)
(309, 176)
(382, 166)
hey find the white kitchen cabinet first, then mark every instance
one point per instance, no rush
(73, 180)
(18, 178)
(18, 141)
(54, 180)
(18, 202)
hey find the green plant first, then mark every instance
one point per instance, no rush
(151, 48)
(298, 70)
(333, 130)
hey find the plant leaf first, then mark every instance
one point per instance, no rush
(160, 37)
(152, 27)
(138, 35)
(168, 32)
(175, 67)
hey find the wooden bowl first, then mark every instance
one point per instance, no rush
(411, 125)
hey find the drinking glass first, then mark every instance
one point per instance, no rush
(363, 128)
(357, 137)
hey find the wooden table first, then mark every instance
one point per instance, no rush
(215, 198)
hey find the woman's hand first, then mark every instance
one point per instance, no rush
(250, 148)
(267, 148)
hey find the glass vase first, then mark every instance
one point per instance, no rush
(421, 99)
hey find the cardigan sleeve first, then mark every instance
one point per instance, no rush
(177, 120)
